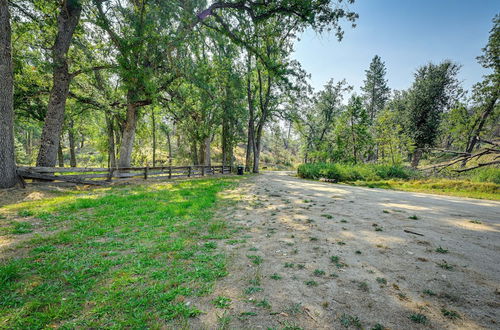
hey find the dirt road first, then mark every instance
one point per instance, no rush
(325, 256)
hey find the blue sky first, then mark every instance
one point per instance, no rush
(406, 34)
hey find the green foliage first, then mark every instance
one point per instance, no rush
(349, 173)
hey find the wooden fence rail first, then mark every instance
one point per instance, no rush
(102, 176)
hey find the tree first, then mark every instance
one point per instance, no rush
(433, 91)
(375, 89)
(67, 20)
(487, 92)
(8, 174)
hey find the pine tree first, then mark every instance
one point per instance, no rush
(375, 89)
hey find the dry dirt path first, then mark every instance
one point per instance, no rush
(323, 256)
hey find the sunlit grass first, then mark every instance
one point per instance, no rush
(460, 188)
(122, 257)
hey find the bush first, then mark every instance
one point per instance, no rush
(490, 174)
(349, 172)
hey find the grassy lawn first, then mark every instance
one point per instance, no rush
(129, 256)
(459, 188)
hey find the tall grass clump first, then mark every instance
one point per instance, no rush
(354, 172)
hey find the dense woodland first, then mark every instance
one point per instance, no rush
(127, 83)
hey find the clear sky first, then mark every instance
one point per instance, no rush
(405, 34)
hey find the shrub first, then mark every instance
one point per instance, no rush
(349, 172)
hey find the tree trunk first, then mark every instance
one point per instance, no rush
(60, 155)
(169, 142)
(207, 152)
(111, 140)
(67, 21)
(475, 136)
(128, 134)
(417, 154)
(194, 152)
(257, 146)
(8, 176)
(154, 136)
(71, 138)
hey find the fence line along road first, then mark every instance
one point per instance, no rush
(102, 176)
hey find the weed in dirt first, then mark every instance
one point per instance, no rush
(328, 216)
(344, 228)
(445, 265)
(341, 243)
(403, 297)
(223, 321)
(477, 222)
(363, 286)
(295, 251)
(429, 292)
(325, 304)
(275, 276)
(319, 272)
(253, 249)
(413, 217)
(289, 244)
(253, 289)
(309, 221)
(289, 265)
(419, 318)
(381, 280)
(348, 320)
(301, 266)
(379, 229)
(311, 283)
(316, 248)
(263, 303)
(452, 315)
(378, 326)
(441, 250)
(243, 314)
(313, 239)
(335, 259)
(334, 275)
(25, 213)
(222, 302)
(255, 281)
(22, 228)
(358, 252)
(255, 259)
(287, 325)
(233, 241)
(343, 221)
(308, 200)
(386, 211)
(294, 309)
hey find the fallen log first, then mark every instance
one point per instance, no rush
(33, 175)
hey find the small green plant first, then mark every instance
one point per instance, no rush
(248, 314)
(445, 265)
(378, 326)
(341, 243)
(335, 259)
(381, 280)
(275, 276)
(343, 221)
(313, 239)
(441, 250)
(429, 292)
(348, 320)
(309, 221)
(25, 213)
(419, 318)
(301, 266)
(264, 304)
(358, 252)
(294, 309)
(328, 216)
(289, 265)
(477, 222)
(363, 286)
(319, 272)
(413, 217)
(222, 302)
(386, 211)
(255, 259)
(223, 321)
(311, 283)
(452, 315)
(253, 249)
(379, 228)
(253, 289)
(22, 228)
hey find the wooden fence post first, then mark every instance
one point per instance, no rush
(110, 174)
(146, 173)
(189, 173)
(170, 172)
(203, 171)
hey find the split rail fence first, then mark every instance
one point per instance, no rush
(102, 176)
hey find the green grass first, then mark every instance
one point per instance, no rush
(120, 257)
(459, 188)
(480, 183)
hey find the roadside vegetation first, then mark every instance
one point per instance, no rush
(480, 183)
(120, 257)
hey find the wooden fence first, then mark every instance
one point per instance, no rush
(102, 176)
